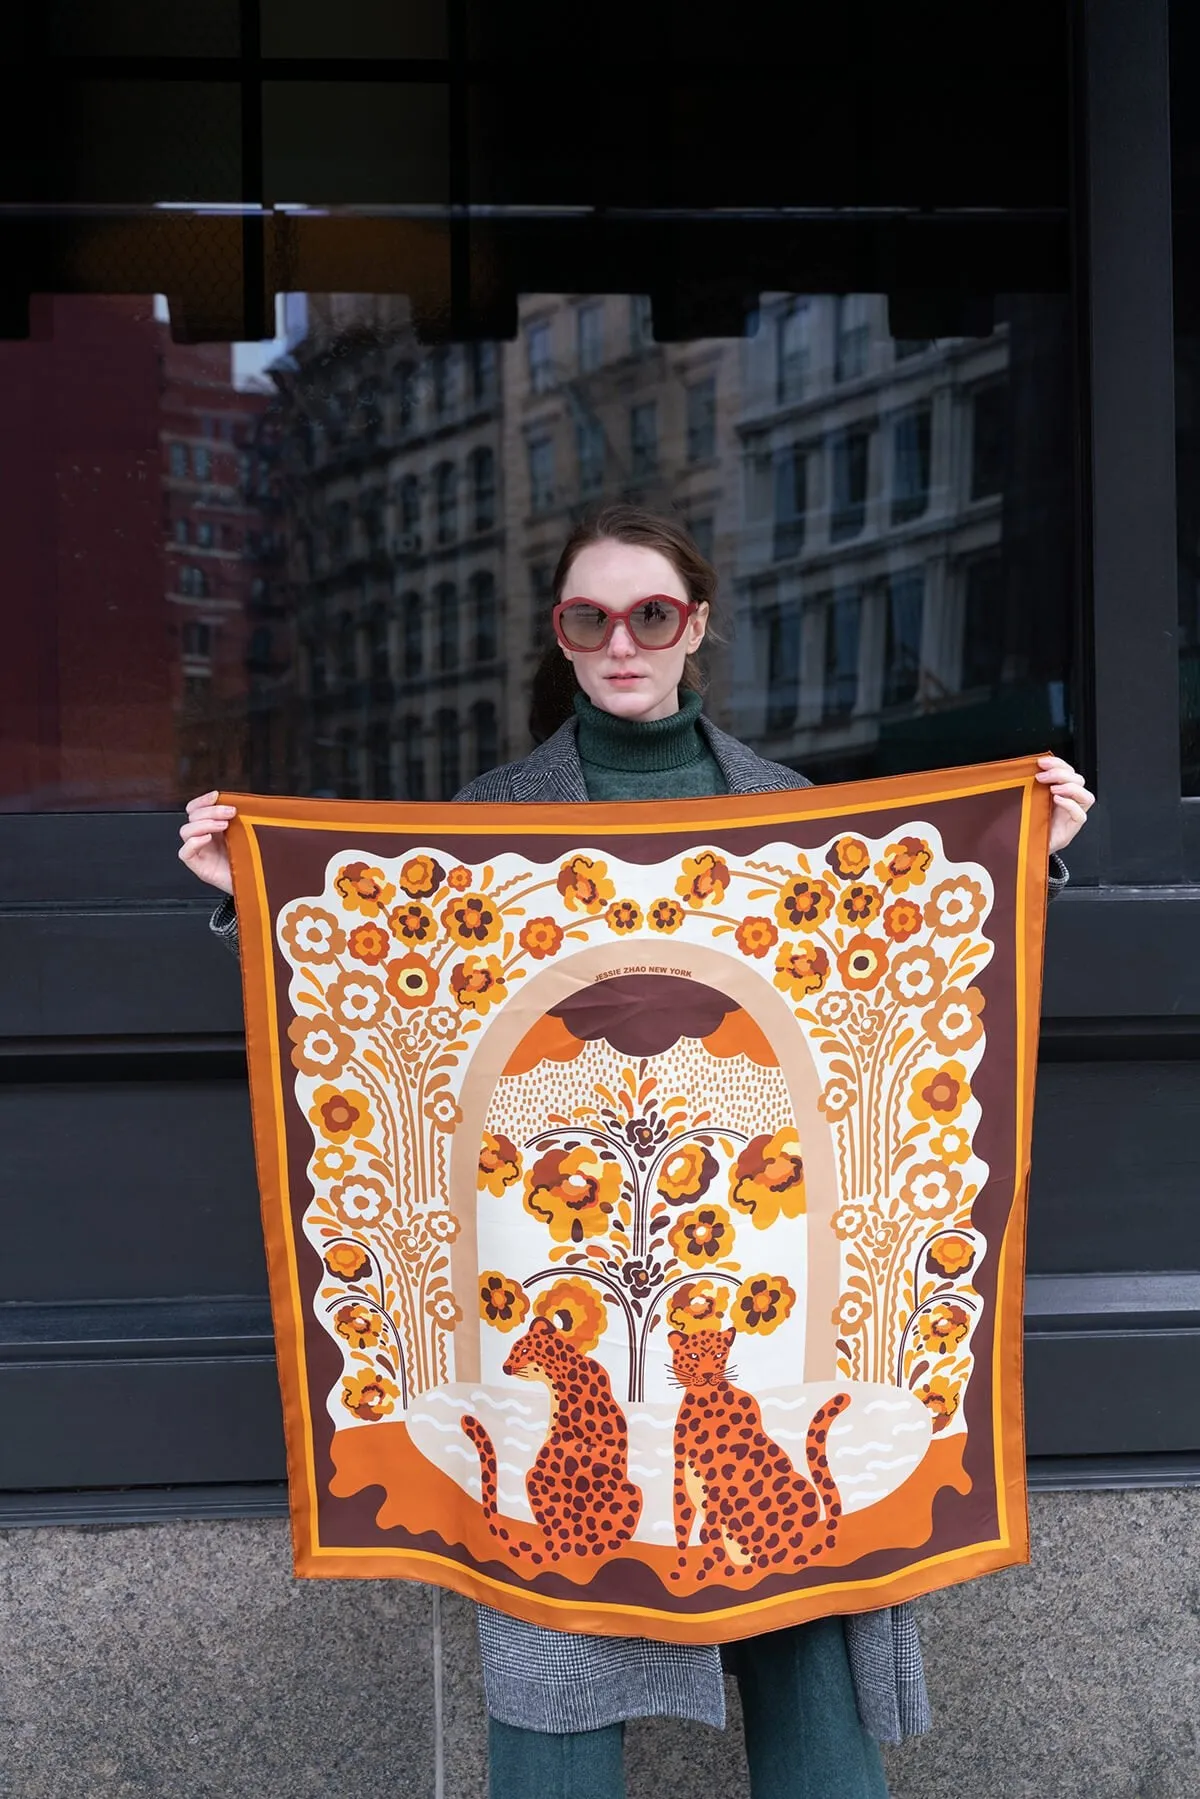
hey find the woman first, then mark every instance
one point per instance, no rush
(617, 706)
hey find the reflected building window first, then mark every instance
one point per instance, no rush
(989, 440)
(406, 396)
(849, 458)
(441, 380)
(852, 336)
(193, 582)
(413, 741)
(541, 474)
(201, 462)
(983, 624)
(643, 439)
(379, 762)
(179, 530)
(483, 373)
(483, 615)
(702, 534)
(445, 602)
(412, 614)
(702, 420)
(590, 450)
(449, 754)
(197, 638)
(539, 351)
(791, 501)
(204, 535)
(793, 348)
(483, 489)
(641, 324)
(347, 649)
(541, 592)
(843, 626)
(378, 646)
(485, 736)
(783, 665)
(908, 347)
(589, 335)
(177, 458)
(902, 652)
(445, 502)
(409, 506)
(348, 785)
(910, 464)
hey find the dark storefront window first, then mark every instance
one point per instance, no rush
(1185, 175)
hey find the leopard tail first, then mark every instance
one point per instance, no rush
(489, 1488)
(818, 1461)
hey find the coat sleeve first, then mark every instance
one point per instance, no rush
(224, 924)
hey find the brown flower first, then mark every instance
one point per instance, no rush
(755, 936)
(804, 903)
(499, 1163)
(460, 878)
(851, 1312)
(916, 977)
(955, 1022)
(541, 937)
(472, 920)
(697, 1306)
(849, 857)
(940, 1093)
(313, 935)
(369, 1395)
(359, 1199)
(478, 983)
(319, 1047)
(955, 906)
(943, 1327)
(340, 1113)
(411, 980)
(502, 1300)
(356, 1000)
(445, 1308)
(801, 968)
(902, 920)
(950, 1254)
(622, 916)
(421, 877)
(364, 889)
(357, 1324)
(584, 885)
(932, 1189)
(346, 1261)
(370, 943)
(442, 1226)
(573, 1191)
(577, 1311)
(413, 923)
(859, 904)
(665, 915)
(704, 879)
(863, 962)
(686, 1172)
(702, 1237)
(904, 864)
(836, 1098)
(443, 1110)
(767, 1180)
(762, 1303)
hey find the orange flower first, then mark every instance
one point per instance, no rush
(346, 1261)
(421, 877)
(955, 1020)
(955, 906)
(851, 1312)
(950, 1254)
(358, 1324)
(443, 1227)
(478, 983)
(330, 1163)
(445, 1308)
(319, 1046)
(460, 878)
(940, 1396)
(623, 915)
(364, 889)
(686, 1172)
(499, 1163)
(801, 968)
(932, 1189)
(577, 1311)
(472, 920)
(370, 1395)
(541, 937)
(312, 934)
(762, 1303)
(849, 857)
(356, 1000)
(702, 1237)
(584, 885)
(943, 1327)
(502, 1300)
(904, 864)
(697, 1306)
(836, 1098)
(340, 1113)
(359, 1199)
(413, 923)
(902, 920)
(665, 915)
(411, 980)
(767, 1180)
(916, 976)
(443, 1110)
(952, 1144)
(704, 879)
(940, 1093)
(859, 904)
(863, 962)
(573, 1192)
(370, 943)
(804, 903)
(755, 936)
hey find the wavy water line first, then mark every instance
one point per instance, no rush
(888, 1405)
(878, 1467)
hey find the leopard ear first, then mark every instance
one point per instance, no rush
(541, 1324)
(676, 1339)
(729, 1337)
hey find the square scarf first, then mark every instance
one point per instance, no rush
(644, 1191)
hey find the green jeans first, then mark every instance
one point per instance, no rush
(803, 1735)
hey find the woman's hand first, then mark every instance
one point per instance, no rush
(1072, 801)
(204, 850)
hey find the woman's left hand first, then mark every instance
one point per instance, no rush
(1072, 801)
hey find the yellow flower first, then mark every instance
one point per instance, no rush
(704, 879)
(369, 1395)
(478, 983)
(584, 885)
(701, 1237)
(499, 1163)
(340, 1113)
(472, 920)
(665, 915)
(502, 1300)
(762, 1303)
(364, 889)
(573, 1192)
(686, 1172)
(940, 1093)
(577, 1311)
(697, 1306)
(767, 1180)
(622, 916)
(801, 969)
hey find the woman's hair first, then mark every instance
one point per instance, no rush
(554, 683)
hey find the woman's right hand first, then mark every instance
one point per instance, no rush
(204, 850)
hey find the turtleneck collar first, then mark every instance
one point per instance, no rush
(637, 746)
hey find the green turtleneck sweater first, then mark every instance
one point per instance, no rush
(664, 759)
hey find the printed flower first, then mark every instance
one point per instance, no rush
(413, 923)
(859, 904)
(499, 1163)
(460, 878)
(623, 915)
(313, 935)
(443, 1111)
(641, 1277)
(755, 936)
(804, 903)
(346, 1261)
(801, 968)
(863, 962)
(370, 1395)
(357, 1324)
(943, 1327)
(442, 1226)
(686, 1172)
(665, 915)
(904, 864)
(370, 943)
(702, 1237)
(902, 920)
(502, 1300)
(411, 1241)
(357, 1000)
(767, 1180)
(851, 1311)
(940, 1396)
(576, 1309)
(364, 889)
(916, 977)
(541, 937)
(833, 1009)
(950, 1254)
(330, 1164)
(697, 1306)
(952, 1144)
(411, 980)
(704, 879)
(573, 1192)
(836, 1098)
(584, 885)
(340, 1113)
(880, 1237)
(932, 1189)
(472, 920)
(318, 1046)
(955, 1021)
(445, 1308)
(849, 857)
(848, 1221)
(644, 1135)
(762, 1303)
(867, 1023)
(478, 983)
(421, 877)
(441, 1023)
(955, 907)
(359, 1199)
(940, 1093)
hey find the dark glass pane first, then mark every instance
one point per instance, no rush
(911, 436)
(850, 455)
(983, 624)
(791, 496)
(783, 666)
(902, 654)
(1185, 180)
(842, 621)
(989, 441)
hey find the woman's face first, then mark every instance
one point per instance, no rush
(622, 678)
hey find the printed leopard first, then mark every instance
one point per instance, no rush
(578, 1486)
(758, 1511)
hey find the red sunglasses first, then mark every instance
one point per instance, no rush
(655, 623)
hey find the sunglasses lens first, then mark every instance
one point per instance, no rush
(583, 626)
(654, 624)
